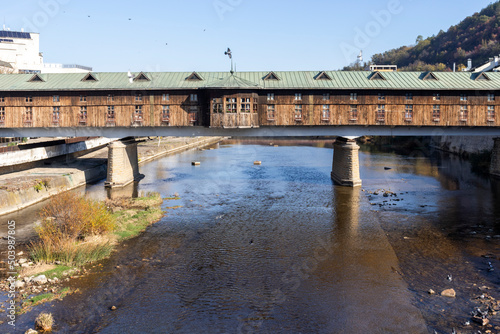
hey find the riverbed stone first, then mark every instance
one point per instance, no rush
(21, 261)
(431, 292)
(449, 293)
(42, 279)
(19, 284)
(31, 331)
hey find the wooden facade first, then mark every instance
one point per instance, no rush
(247, 107)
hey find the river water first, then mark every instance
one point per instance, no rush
(277, 248)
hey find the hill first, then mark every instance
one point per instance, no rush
(476, 37)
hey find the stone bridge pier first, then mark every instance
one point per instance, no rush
(345, 168)
(123, 164)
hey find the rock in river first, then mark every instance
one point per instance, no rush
(449, 293)
(42, 279)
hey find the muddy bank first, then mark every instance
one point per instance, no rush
(23, 189)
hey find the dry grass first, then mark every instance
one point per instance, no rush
(76, 230)
(69, 231)
(37, 269)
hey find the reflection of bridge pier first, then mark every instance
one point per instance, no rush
(495, 158)
(123, 164)
(345, 168)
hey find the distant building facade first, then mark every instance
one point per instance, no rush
(20, 53)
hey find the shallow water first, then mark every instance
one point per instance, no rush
(278, 248)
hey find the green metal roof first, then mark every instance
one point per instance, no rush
(251, 80)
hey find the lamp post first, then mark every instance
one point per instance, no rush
(229, 53)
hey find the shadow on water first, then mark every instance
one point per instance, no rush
(278, 249)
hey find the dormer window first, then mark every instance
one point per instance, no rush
(142, 77)
(194, 77)
(271, 76)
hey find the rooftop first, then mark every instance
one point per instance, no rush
(335, 80)
(14, 34)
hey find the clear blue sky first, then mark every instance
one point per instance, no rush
(192, 35)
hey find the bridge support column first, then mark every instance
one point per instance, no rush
(495, 158)
(123, 164)
(345, 169)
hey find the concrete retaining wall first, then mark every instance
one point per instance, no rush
(11, 201)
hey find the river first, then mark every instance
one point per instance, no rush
(277, 248)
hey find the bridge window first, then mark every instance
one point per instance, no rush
(2, 99)
(138, 116)
(381, 113)
(326, 97)
(298, 112)
(437, 97)
(111, 97)
(271, 112)
(408, 112)
(463, 97)
(353, 113)
(409, 96)
(55, 98)
(165, 114)
(138, 97)
(464, 113)
(231, 105)
(270, 96)
(193, 114)
(193, 97)
(491, 113)
(325, 113)
(436, 112)
(166, 97)
(381, 96)
(491, 97)
(354, 96)
(110, 119)
(83, 98)
(29, 99)
(298, 96)
(83, 115)
(2, 115)
(28, 116)
(255, 104)
(55, 115)
(217, 105)
(245, 105)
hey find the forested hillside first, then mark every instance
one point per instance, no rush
(476, 37)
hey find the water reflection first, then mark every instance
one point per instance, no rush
(276, 248)
(131, 190)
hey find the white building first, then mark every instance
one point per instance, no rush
(22, 51)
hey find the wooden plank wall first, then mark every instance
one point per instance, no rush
(312, 102)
